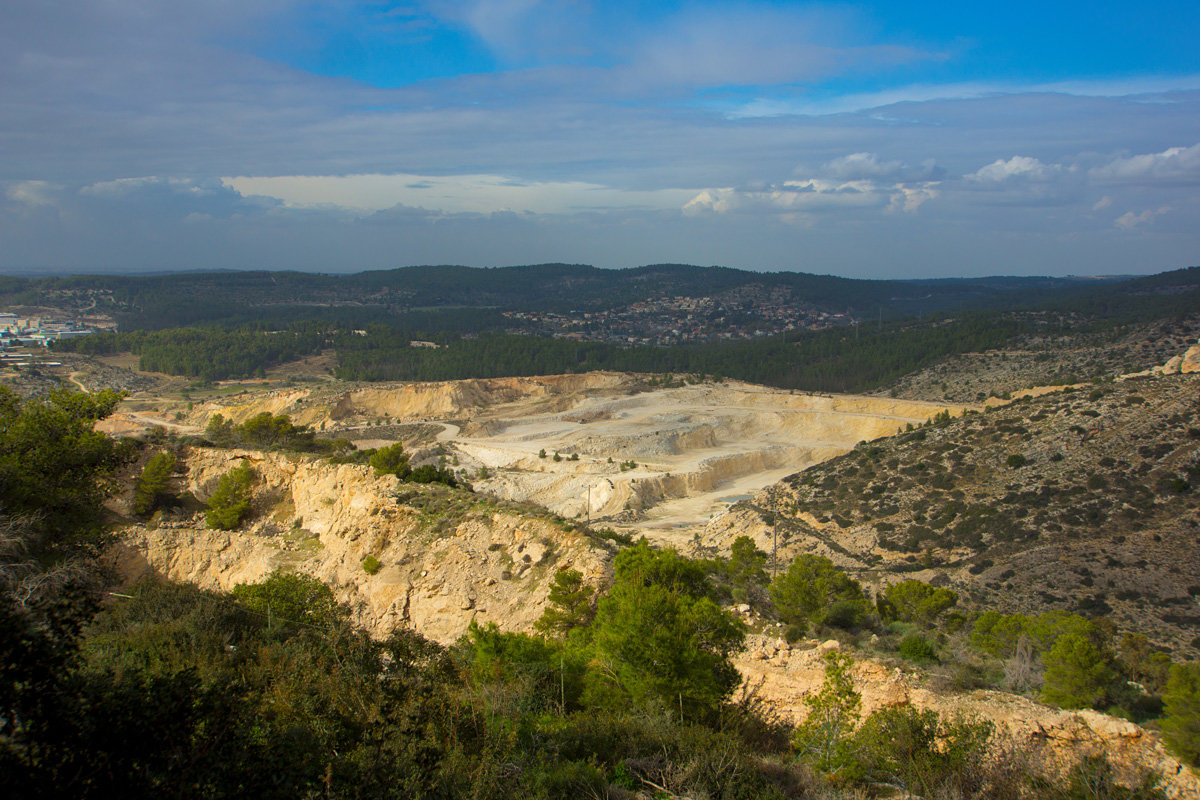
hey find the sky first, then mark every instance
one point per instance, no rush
(873, 139)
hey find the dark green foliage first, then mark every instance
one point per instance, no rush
(54, 468)
(371, 565)
(1016, 460)
(545, 674)
(1093, 778)
(916, 647)
(1079, 672)
(744, 570)
(824, 360)
(230, 503)
(814, 590)
(290, 597)
(431, 473)
(922, 753)
(1181, 720)
(658, 637)
(391, 460)
(267, 432)
(209, 354)
(915, 601)
(569, 604)
(152, 483)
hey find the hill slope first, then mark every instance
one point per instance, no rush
(1080, 500)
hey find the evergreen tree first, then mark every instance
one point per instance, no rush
(230, 503)
(391, 460)
(569, 604)
(813, 589)
(659, 638)
(152, 483)
(1079, 673)
(1181, 718)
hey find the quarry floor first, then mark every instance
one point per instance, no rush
(646, 460)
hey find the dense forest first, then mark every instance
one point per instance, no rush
(167, 301)
(372, 342)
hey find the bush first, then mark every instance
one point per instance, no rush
(845, 614)
(230, 503)
(922, 753)
(794, 632)
(291, 597)
(1181, 720)
(915, 601)
(917, 648)
(812, 589)
(569, 604)
(152, 483)
(661, 637)
(1078, 674)
(391, 460)
(823, 738)
(371, 565)
(1016, 460)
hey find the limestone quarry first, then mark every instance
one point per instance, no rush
(660, 461)
(665, 462)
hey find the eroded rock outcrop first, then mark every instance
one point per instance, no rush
(1051, 739)
(444, 561)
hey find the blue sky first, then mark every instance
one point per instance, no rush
(869, 139)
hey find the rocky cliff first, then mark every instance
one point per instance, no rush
(1048, 740)
(447, 557)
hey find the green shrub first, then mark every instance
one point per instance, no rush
(290, 597)
(661, 637)
(1016, 460)
(922, 753)
(845, 614)
(823, 738)
(811, 590)
(915, 601)
(569, 604)
(917, 648)
(371, 565)
(1079, 673)
(1181, 718)
(152, 483)
(391, 460)
(230, 503)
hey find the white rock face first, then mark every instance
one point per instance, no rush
(1191, 360)
(439, 571)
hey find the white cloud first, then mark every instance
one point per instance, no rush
(1019, 168)
(1175, 164)
(1128, 221)
(771, 106)
(861, 165)
(1102, 203)
(812, 195)
(33, 193)
(909, 199)
(478, 194)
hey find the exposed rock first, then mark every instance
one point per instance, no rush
(1054, 739)
(1191, 360)
(438, 575)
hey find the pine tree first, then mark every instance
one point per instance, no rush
(152, 483)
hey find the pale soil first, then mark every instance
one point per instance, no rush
(698, 448)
